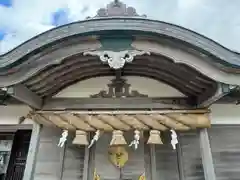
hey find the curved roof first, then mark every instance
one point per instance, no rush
(179, 57)
(95, 26)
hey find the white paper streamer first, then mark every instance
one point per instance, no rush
(135, 142)
(174, 140)
(95, 138)
(63, 139)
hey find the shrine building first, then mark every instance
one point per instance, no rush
(119, 96)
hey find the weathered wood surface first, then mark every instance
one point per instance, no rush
(73, 165)
(191, 157)
(166, 160)
(101, 162)
(48, 160)
(116, 103)
(136, 163)
(56, 163)
(225, 146)
(148, 161)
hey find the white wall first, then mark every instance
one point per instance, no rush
(225, 114)
(147, 86)
(10, 115)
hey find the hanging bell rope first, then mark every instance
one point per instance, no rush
(154, 137)
(95, 138)
(135, 142)
(117, 138)
(174, 140)
(80, 138)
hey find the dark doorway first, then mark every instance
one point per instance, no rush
(18, 156)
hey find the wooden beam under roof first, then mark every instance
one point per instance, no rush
(23, 94)
(222, 90)
(116, 103)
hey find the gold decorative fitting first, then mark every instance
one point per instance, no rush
(117, 138)
(118, 156)
(142, 177)
(154, 137)
(80, 138)
(95, 175)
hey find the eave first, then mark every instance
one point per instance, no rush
(97, 26)
(195, 65)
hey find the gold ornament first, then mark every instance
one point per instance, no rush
(118, 156)
(142, 177)
(95, 175)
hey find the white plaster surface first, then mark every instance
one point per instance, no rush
(144, 85)
(9, 115)
(225, 114)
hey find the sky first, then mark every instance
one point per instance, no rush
(21, 20)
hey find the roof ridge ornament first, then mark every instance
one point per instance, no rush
(117, 8)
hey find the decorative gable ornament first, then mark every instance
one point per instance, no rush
(116, 60)
(118, 88)
(118, 156)
(117, 8)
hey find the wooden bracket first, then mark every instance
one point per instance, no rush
(23, 94)
(222, 90)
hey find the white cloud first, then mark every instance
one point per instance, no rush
(25, 19)
(189, 4)
(217, 19)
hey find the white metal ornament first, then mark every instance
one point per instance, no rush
(116, 60)
(174, 140)
(63, 138)
(95, 138)
(135, 142)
